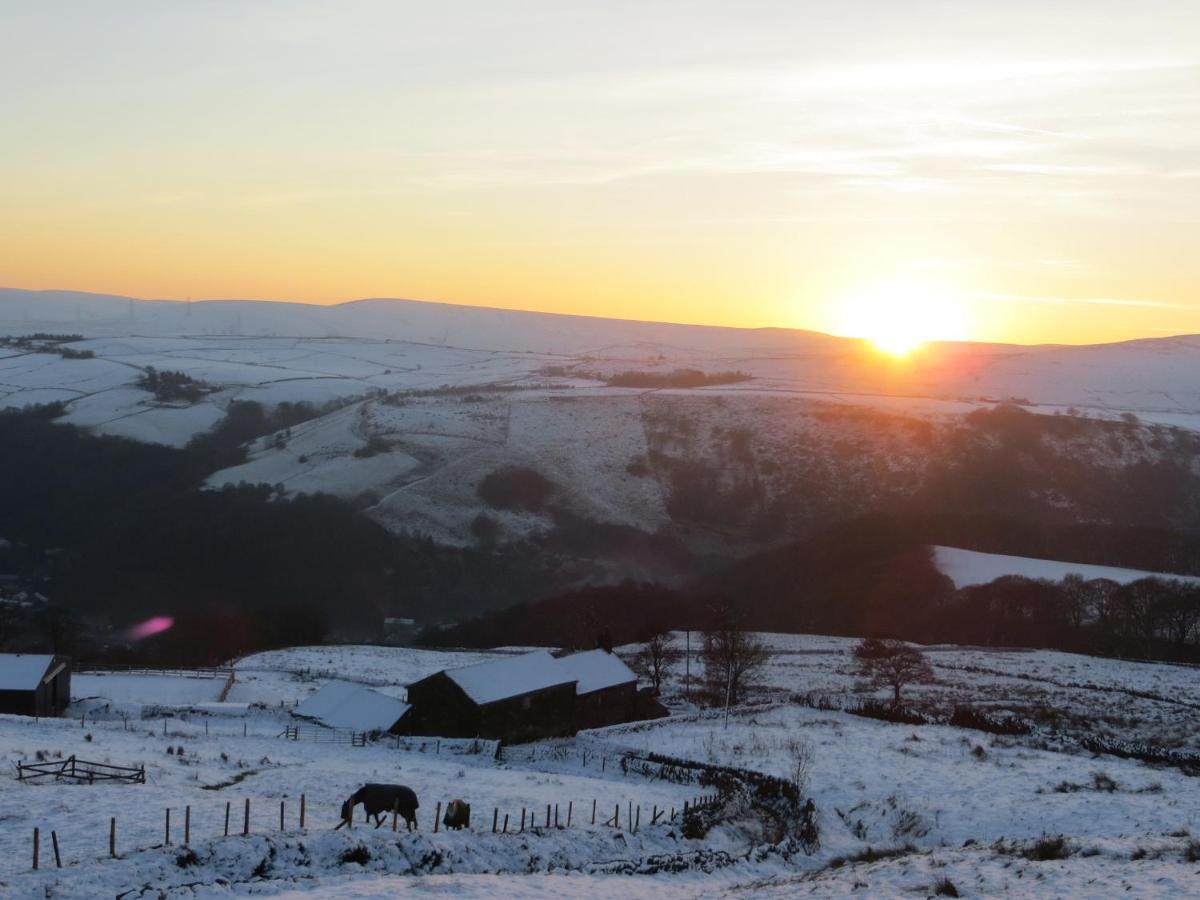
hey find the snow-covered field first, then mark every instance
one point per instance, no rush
(938, 802)
(969, 567)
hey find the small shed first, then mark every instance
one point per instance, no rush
(344, 704)
(605, 688)
(34, 684)
(519, 698)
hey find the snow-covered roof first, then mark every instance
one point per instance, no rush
(594, 670)
(23, 671)
(343, 704)
(500, 679)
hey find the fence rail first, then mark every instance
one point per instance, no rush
(79, 770)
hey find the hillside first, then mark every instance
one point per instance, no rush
(409, 407)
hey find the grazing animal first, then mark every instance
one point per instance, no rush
(458, 815)
(380, 799)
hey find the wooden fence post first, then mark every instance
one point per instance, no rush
(547, 815)
(570, 806)
(617, 816)
(437, 817)
(301, 812)
(226, 818)
(638, 821)
(495, 817)
(187, 826)
(630, 818)
(246, 820)
(593, 811)
(37, 845)
(167, 841)
(112, 837)
(522, 818)
(281, 802)
(54, 841)
(506, 823)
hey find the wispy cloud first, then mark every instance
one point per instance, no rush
(1085, 301)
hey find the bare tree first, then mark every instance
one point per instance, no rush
(732, 656)
(656, 658)
(890, 663)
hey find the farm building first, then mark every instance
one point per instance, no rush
(520, 698)
(526, 697)
(605, 688)
(343, 704)
(34, 684)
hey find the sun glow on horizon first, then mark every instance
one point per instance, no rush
(899, 319)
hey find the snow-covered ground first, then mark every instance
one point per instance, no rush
(969, 567)
(949, 803)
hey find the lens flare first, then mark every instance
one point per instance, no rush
(149, 628)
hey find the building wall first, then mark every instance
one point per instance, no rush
(440, 707)
(608, 706)
(19, 703)
(45, 700)
(542, 714)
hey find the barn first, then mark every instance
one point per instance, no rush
(34, 684)
(605, 688)
(518, 698)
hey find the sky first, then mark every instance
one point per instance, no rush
(1015, 171)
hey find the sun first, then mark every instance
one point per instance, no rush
(900, 319)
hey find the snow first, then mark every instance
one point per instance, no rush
(969, 567)
(503, 679)
(595, 670)
(964, 803)
(342, 704)
(22, 671)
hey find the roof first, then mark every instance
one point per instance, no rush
(343, 704)
(595, 670)
(23, 671)
(502, 679)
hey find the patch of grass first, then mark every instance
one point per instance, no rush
(871, 855)
(1046, 848)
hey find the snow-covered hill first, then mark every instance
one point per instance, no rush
(420, 402)
(969, 567)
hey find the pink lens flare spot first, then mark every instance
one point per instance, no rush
(156, 625)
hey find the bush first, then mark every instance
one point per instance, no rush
(969, 717)
(359, 854)
(944, 887)
(516, 487)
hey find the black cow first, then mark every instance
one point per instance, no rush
(458, 815)
(380, 799)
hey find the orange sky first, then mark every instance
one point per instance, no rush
(958, 171)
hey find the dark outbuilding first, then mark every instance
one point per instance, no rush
(34, 684)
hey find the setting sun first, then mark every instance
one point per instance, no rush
(900, 319)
